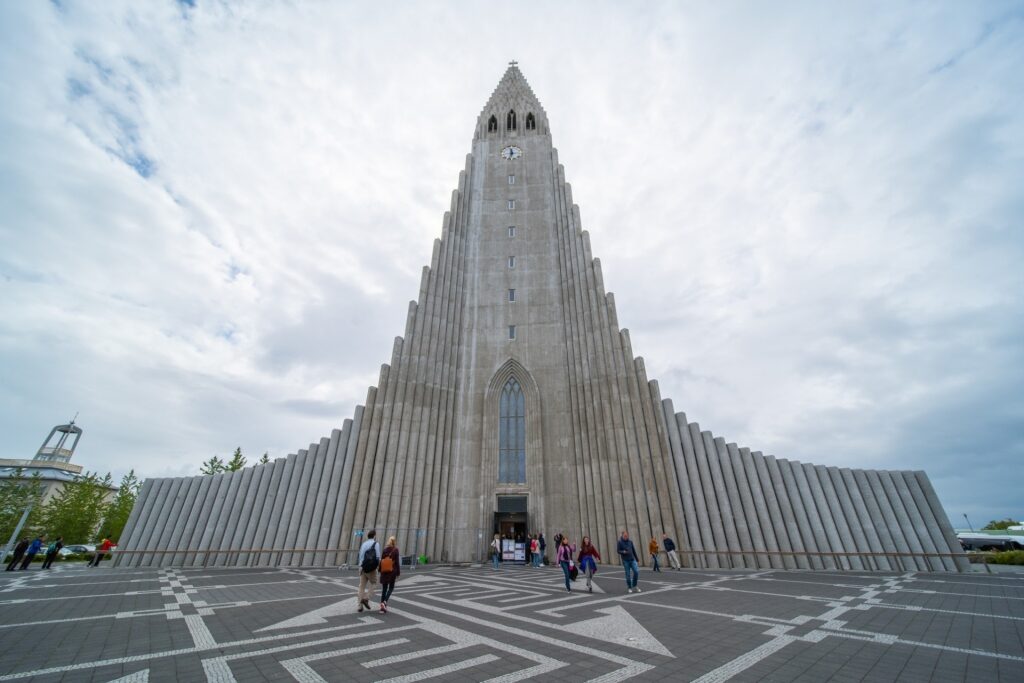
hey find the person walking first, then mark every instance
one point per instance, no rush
(564, 558)
(51, 552)
(535, 550)
(17, 554)
(670, 549)
(653, 548)
(586, 560)
(496, 551)
(390, 569)
(630, 562)
(543, 549)
(528, 547)
(369, 560)
(30, 554)
(105, 545)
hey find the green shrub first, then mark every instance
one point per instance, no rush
(1007, 557)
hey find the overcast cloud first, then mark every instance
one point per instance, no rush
(212, 217)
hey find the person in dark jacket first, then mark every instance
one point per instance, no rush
(30, 554)
(543, 548)
(630, 562)
(670, 549)
(586, 560)
(51, 552)
(390, 569)
(19, 552)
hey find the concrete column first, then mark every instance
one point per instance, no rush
(843, 540)
(262, 532)
(214, 517)
(774, 519)
(297, 490)
(707, 485)
(333, 506)
(172, 515)
(876, 517)
(692, 539)
(788, 509)
(700, 502)
(369, 490)
(155, 521)
(896, 489)
(932, 539)
(888, 513)
(301, 518)
(864, 521)
(799, 495)
(194, 501)
(856, 540)
(132, 526)
(918, 528)
(336, 538)
(822, 525)
(664, 469)
(735, 504)
(136, 527)
(225, 522)
(943, 521)
(314, 517)
(754, 507)
(724, 504)
(373, 399)
(247, 515)
(289, 470)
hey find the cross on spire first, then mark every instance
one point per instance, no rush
(513, 63)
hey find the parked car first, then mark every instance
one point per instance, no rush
(78, 549)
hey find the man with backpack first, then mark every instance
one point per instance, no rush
(369, 560)
(51, 552)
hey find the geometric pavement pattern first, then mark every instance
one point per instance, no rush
(473, 623)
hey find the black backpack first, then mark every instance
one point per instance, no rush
(370, 560)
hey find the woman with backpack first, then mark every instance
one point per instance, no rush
(564, 559)
(51, 552)
(390, 569)
(588, 559)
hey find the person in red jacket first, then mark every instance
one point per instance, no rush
(587, 560)
(105, 545)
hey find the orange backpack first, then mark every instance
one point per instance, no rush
(387, 565)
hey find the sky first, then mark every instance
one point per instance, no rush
(213, 216)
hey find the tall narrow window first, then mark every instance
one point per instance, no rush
(511, 205)
(531, 123)
(511, 332)
(510, 120)
(511, 231)
(511, 295)
(492, 124)
(512, 435)
(511, 261)
(511, 180)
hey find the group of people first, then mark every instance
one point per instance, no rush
(573, 561)
(377, 566)
(26, 551)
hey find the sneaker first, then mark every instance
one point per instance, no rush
(628, 590)
(360, 607)
(383, 608)
(590, 589)
(637, 589)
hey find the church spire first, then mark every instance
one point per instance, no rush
(513, 108)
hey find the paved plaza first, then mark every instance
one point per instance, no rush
(459, 624)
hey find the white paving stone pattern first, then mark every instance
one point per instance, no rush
(516, 623)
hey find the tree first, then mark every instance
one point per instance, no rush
(116, 512)
(212, 466)
(16, 493)
(75, 512)
(999, 525)
(236, 462)
(264, 459)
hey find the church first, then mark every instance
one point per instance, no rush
(514, 404)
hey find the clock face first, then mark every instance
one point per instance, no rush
(511, 153)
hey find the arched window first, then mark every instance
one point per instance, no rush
(492, 124)
(510, 120)
(512, 435)
(531, 123)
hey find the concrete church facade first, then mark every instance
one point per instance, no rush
(514, 402)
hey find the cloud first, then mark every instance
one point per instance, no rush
(214, 216)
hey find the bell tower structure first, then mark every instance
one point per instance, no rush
(514, 403)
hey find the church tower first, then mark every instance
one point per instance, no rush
(513, 403)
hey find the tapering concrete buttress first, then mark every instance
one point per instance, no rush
(514, 403)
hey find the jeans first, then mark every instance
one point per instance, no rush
(589, 567)
(48, 560)
(565, 570)
(495, 557)
(632, 572)
(654, 558)
(386, 589)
